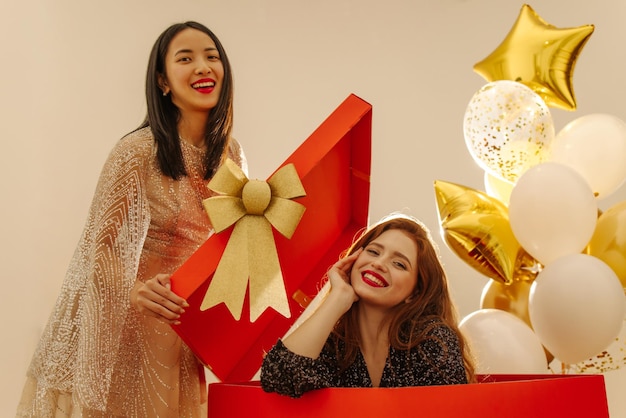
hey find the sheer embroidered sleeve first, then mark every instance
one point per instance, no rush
(80, 341)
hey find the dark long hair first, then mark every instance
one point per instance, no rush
(430, 302)
(162, 116)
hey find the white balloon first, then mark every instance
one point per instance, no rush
(552, 211)
(501, 343)
(576, 307)
(595, 146)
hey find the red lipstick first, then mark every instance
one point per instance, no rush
(373, 279)
(204, 85)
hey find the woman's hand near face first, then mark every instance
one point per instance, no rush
(309, 338)
(341, 290)
(154, 298)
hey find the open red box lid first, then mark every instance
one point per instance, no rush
(333, 165)
(497, 396)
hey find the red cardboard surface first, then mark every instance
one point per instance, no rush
(497, 396)
(334, 167)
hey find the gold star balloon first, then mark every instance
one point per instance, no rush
(539, 55)
(476, 227)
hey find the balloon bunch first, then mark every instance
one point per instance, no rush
(557, 264)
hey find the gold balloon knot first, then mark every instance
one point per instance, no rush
(250, 256)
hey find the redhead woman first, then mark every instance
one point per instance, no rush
(387, 320)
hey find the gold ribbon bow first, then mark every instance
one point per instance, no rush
(253, 206)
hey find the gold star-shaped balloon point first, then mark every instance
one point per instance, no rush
(476, 227)
(540, 56)
(250, 256)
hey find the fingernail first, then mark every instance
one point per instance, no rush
(185, 304)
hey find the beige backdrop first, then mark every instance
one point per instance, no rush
(72, 79)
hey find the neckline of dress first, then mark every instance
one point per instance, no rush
(189, 145)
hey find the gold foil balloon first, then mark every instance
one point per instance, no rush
(476, 227)
(498, 188)
(508, 129)
(608, 242)
(540, 56)
(512, 298)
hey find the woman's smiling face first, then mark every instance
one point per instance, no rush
(194, 71)
(385, 273)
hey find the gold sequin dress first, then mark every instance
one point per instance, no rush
(98, 357)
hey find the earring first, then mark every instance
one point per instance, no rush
(165, 92)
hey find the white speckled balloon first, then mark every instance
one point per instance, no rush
(508, 128)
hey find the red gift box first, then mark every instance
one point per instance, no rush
(333, 165)
(497, 396)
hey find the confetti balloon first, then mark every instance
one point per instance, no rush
(508, 128)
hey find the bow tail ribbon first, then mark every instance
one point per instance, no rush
(249, 255)
(230, 279)
(267, 289)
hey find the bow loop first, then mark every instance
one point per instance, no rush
(224, 211)
(229, 179)
(285, 183)
(284, 215)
